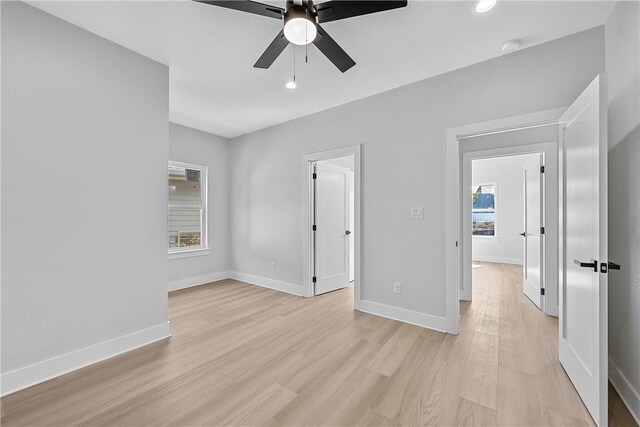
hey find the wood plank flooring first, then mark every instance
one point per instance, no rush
(244, 355)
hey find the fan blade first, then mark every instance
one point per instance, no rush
(332, 50)
(248, 6)
(333, 10)
(273, 51)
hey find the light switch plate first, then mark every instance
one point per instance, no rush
(417, 213)
(397, 288)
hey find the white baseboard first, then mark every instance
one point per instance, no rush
(42, 371)
(175, 285)
(408, 316)
(497, 259)
(242, 277)
(628, 394)
(265, 282)
(402, 314)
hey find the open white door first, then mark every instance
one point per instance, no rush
(331, 236)
(583, 292)
(533, 237)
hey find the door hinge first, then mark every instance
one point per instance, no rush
(315, 175)
(541, 230)
(541, 291)
(314, 227)
(542, 169)
(313, 279)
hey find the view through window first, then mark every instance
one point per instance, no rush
(484, 209)
(187, 207)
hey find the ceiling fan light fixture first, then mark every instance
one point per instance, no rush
(298, 27)
(484, 6)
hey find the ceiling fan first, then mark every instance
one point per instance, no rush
(302, 19)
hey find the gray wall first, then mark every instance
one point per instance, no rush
(507, 173)
(193, 146)
(84, 199)
(623, 71)
(403, 136)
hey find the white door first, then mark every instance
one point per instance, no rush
(533, 239)
(332, 231)
(583, 292)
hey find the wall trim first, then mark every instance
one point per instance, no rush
(404, 315)
(31, 375)
(629, 395)
(307, 233)
(189, 282)
(265, 282)
(501, 260)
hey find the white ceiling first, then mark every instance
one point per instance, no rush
(211, 51)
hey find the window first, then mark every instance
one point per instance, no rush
(484, 209)
(187, 224)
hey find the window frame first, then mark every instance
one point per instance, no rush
(495, 209)
(203, 249)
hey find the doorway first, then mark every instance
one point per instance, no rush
(523, 143)
(332, 237)
(332, 224)
(577, 229)
(507, 221)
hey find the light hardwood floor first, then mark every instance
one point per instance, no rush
(244, 355)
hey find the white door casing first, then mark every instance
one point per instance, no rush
(352, 227)
(331, 214)
(533, 238)
(583, 293)
(455, 246)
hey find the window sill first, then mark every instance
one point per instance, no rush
(189, 253)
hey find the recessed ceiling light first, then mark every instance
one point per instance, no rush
(484, 6)
(291, 85)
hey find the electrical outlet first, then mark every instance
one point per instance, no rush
(397, 287)
(273, 266)
(417, 213)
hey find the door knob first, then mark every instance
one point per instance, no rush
(347, 232)
(523, 234)
(593, 264)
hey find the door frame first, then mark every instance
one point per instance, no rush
(307, 234)
(453, 196)
(549, 152)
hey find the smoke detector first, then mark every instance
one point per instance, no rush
(510, 46)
